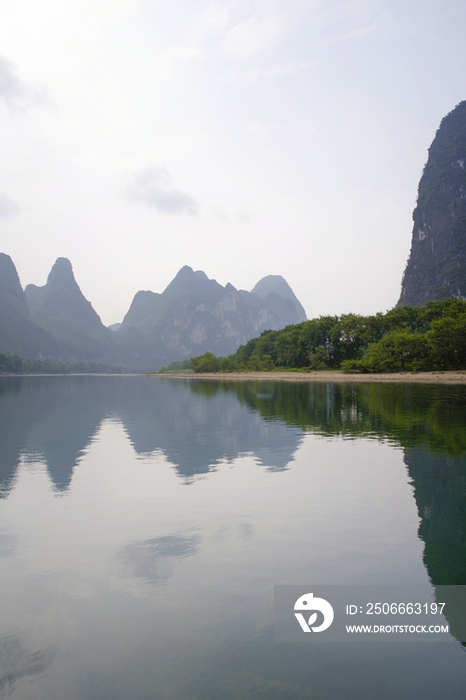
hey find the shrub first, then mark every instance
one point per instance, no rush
(205, 363)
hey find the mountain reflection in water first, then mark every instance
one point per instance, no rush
(138, 564)
(157, 417)
(57, 421)
(198, 424)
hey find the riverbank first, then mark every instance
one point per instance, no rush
(451, 377)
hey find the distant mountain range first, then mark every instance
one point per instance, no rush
(193, 315)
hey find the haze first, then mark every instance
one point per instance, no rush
(243, 138)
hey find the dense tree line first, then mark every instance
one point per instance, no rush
(14, 364)
(175, 366)
(431, 337)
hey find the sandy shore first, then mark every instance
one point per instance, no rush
(455, 377)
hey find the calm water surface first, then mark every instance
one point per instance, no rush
(145, 521)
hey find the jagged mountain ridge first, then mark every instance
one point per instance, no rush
(436, 268)
(20, 332)
(193, 315)
(60, 302)
(61, 306)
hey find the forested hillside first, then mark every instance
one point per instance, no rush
(432, 337)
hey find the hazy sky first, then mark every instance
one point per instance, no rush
(240, 137)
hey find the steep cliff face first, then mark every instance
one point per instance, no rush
(61, 307)
(196, 314)
(61, 304)
(436, 267)
(193, 315)
(19, 332)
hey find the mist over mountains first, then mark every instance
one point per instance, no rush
(193, 315)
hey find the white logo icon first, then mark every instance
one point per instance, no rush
(308, 603)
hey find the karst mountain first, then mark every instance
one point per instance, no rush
(193, 315)
(436, 267)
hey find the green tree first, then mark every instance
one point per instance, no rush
(448, 341)
(205, 363)
(399, 350)
(318, 359)
(227, 364)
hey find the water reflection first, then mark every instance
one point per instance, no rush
(17, 663)
(198, 429)
(52, 420)
(152, 560)
(439, 482)
(55, 420)
(148, 588)
(411, 415)
(199, 424)
(8, 545)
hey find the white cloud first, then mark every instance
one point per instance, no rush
(354, 34)
(253, 35)
(153, 187)
(7, 206)
(243, 217)
(18, 94)
(243, 28)
(272, 72)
